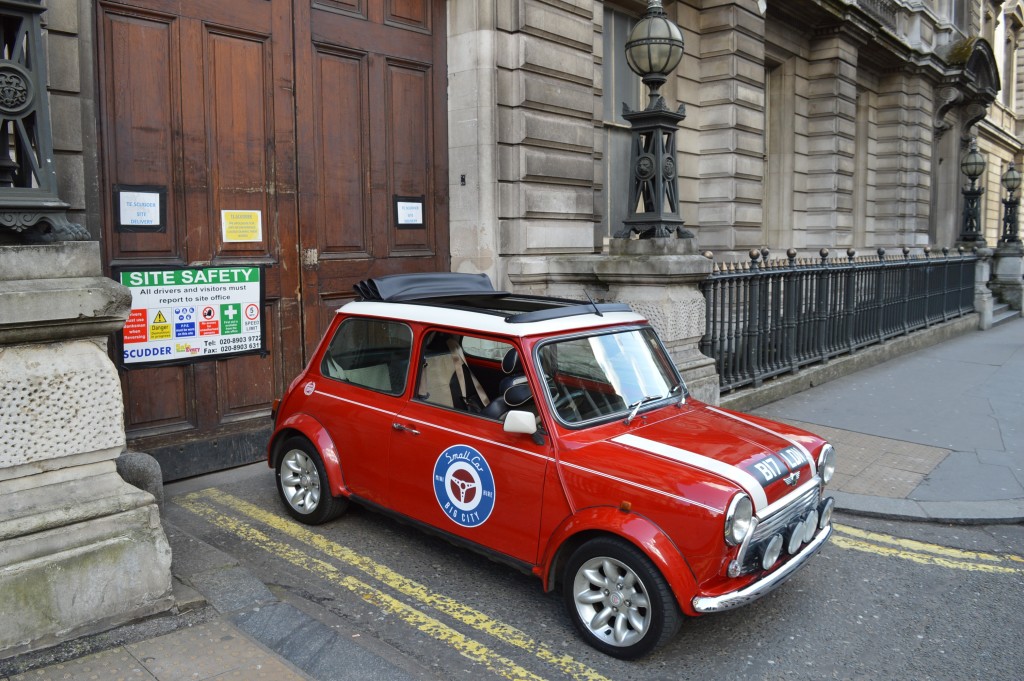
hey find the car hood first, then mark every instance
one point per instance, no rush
(766, 464)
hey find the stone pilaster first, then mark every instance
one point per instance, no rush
(545, 131)
(80, 549)
(831, 131)
(903, 190)
(731, 124)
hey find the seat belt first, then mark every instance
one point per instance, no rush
(459, 359)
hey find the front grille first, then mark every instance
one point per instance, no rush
(777, 522)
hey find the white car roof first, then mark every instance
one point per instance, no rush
(485, 322)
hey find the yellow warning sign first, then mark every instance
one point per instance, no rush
(159, 318)
(159, 332)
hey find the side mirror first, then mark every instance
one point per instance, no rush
(520, 422)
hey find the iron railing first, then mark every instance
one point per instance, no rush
(768, 317)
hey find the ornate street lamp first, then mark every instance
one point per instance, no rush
(972, 165)
(1011, 182)
(653, 50)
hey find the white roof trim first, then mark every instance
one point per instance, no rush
(482, 321)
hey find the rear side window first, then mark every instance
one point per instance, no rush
(372, 353)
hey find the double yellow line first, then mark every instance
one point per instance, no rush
(205, 504)
(223, 509)
(923, 553)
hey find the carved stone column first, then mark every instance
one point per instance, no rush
(80, 549)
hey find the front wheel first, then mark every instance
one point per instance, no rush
(303, 486)
(617, 598)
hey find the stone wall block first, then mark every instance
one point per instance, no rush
(569, 28)
(555, 59)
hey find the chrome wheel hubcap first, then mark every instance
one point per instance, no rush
(300, 482)
(612, 601)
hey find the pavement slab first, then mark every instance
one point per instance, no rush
(937, 434)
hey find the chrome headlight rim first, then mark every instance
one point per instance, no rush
(827, 463)
(738, 519)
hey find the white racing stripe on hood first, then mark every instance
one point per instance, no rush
(807, 454)
(737, 475)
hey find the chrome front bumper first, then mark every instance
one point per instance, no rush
(748, 594)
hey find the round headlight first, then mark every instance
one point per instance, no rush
(827, 463)
(738, 519)
(772, 551)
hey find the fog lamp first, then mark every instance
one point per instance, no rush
(772, 551)
(810, 525)
(825, 512)
(796, 538)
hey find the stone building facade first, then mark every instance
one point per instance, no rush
(810, 123)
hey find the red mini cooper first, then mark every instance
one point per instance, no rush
(557, 437)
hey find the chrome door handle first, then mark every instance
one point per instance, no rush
(408, 429)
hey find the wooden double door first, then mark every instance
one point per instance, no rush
(318, 114)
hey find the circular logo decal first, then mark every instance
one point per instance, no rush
(464, 486)
(309, 388)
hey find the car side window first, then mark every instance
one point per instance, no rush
(468, 373)
(372, 353)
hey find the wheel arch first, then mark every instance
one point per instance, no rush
(306, 426)
(627, 526)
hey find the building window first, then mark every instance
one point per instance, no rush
(620, 86)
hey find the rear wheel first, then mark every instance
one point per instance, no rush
(303, 485)
(617, 598)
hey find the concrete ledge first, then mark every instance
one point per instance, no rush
(773, 389)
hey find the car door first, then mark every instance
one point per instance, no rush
(457, 470)
(365, 368)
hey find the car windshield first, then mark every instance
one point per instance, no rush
(607, 375)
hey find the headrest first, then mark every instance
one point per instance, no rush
(510, 362)
(519, 393)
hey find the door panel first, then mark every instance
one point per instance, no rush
(156, 399)
(407, 154)
(239, 135)
(143, 111)
(342, 153)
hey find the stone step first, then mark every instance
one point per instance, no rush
(1002, 313)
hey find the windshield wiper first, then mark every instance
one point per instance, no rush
(635, 407)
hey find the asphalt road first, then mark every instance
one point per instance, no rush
(883, 600)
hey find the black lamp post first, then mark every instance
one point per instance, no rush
(1011, 182)
(972, 165)
(653, 50)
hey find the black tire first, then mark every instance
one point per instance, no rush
(303, 485)
(617, 599)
